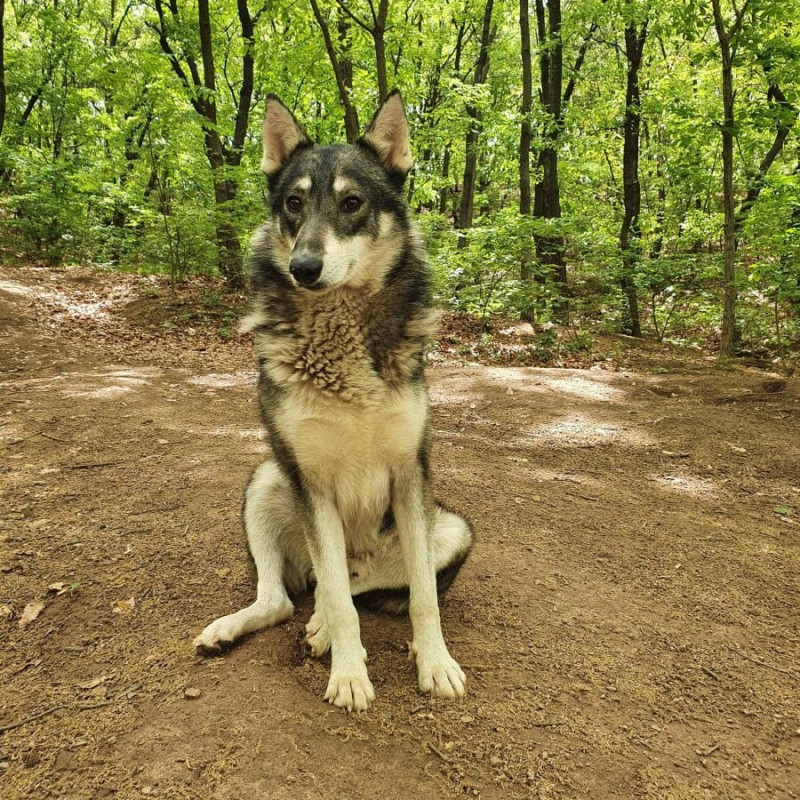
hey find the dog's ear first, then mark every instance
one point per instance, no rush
(282, 135)
(387, 135)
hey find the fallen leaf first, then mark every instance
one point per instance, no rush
(32, 610)
(124, 606)
(97, 682)
(58, 588)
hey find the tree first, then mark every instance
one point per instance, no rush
(547, 192)
(525, 133)
(474, 118)
(2, 65)
(342, 72)
(201, 91)
(631, 233)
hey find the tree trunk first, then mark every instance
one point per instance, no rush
(467, 205)
(630, 234)
(728, 198)
(525, 138)
(229, 251)
(351, 126)
(378, 37)
(2, 66)
(546, 195)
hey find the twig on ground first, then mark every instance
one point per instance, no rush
(764, 663)
(437, 752)
(96, 465)
(31, 718)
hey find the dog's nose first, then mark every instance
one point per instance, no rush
(306, 268)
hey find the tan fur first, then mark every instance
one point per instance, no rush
(388, 134)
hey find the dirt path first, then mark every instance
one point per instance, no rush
(628, 621)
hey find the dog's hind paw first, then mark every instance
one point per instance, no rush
(442, 678)
(317, 636)
(350, 691)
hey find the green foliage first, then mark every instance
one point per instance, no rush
(103, 156)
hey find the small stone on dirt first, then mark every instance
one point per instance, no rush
(32, 610)
(191, 693)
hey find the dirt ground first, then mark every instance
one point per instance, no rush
(628, 621)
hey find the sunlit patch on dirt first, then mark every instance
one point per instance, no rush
(583, 431)
(216, 381)
(684, 483)
(12, 287)
(112, 384)
(584, 387)
(230, 431)
(101, 393)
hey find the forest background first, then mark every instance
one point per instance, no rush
(619, 166)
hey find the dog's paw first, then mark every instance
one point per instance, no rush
(351, 690)
(216, 638)
(317, 636)
(441, 677)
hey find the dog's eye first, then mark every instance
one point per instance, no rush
(294, 203)
(351, 203)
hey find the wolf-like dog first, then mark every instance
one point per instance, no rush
(342, 312)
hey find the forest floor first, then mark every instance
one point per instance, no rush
(629, 620)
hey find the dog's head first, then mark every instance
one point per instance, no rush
(337, 211)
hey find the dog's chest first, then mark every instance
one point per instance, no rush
(325, 352)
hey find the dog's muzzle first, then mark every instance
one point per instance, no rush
(305, 268)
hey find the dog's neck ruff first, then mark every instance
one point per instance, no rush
(334, 346)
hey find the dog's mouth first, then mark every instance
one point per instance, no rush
(310, 286)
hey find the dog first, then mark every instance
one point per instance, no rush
(342, 313)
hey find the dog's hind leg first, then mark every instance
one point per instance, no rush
(269, 517)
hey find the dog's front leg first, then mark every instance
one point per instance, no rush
(349, 685)
(438, 672)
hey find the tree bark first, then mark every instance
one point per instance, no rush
(727, 39)
(546, 196)
(221, 157)
(466, 210)
(630, 234)
(2, 66)
(351, 126)
(525, 128)
(785, 119)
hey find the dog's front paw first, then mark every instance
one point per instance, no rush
(351, 690)
(317, 636)
(217, 637)
(441, 677)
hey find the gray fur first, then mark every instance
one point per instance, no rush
(345, 504)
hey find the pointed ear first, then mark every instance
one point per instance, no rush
(387, 135)
(282, 135)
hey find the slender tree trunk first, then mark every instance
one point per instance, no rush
(785, 118)
(630, 234)
(546, 195)
(378, 37)
(351, 126)
(467, 205)
(729, 296)
(525, 139)
(229, 250)
(547, 198)
(2, 66)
